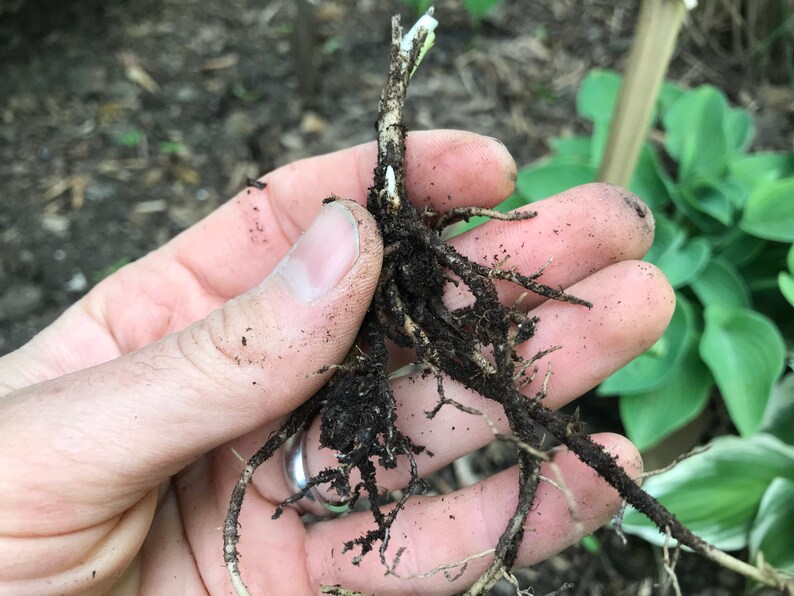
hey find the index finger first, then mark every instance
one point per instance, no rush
(237, 246)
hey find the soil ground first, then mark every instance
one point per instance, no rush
(124, 122)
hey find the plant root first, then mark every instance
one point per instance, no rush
(357, 408)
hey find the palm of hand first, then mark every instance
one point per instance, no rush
(119, 423)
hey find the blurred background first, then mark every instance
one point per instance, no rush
(122, 123)
(125, 122)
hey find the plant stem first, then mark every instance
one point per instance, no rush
(654, 42)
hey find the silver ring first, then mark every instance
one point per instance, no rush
(297, 478)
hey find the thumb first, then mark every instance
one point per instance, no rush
(129, 423)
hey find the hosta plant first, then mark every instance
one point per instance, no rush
(724, 231)
(724, 228)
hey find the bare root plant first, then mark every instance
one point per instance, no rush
(475, 345)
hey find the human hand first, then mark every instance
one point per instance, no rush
(119, 423)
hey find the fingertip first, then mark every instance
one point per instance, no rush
(632, 305)
(597, 500)
(471, 168)
(585, 483)
(632, 212)
(371, 241)
(341, 248)
(504, 165)
(364, 275)
(658, 297)
(625, 452)
(620, 224)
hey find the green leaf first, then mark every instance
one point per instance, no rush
(598, 95)
(577, 147)
(648, 182)
(649, 370)
(722, 285)
(683, 203)
(131, 138)
(739, 130)
(779, 414)
(479, 8)
(769, 212)
(176, 147)
(419, 6)
(716, 493)
(738, 248)
(681, 261)
(771, 533)
(762, 275)
(712, 198)
(652, 416)
(786, 283)
(591, 544)
(790, 259)
(744, 351)
(755, 169)
(596, 101)
(695, 133)
(686, 264)
(735, 192)
(542, 180)
(668, 95)
(599, 141)
(427, 44)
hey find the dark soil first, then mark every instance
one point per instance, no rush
(100, 164)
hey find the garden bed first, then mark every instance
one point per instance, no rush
(124, 123)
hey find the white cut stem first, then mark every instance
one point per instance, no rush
(426, 24)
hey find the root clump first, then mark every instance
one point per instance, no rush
(476, 345)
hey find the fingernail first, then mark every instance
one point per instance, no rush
(497, 141)
(323, 255)
(511, 170)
